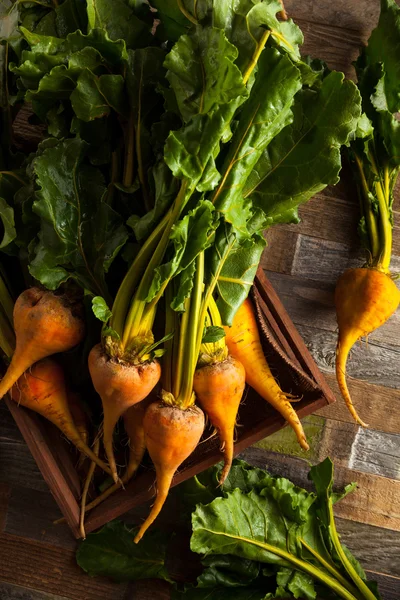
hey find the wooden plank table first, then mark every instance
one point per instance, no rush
(303, 261)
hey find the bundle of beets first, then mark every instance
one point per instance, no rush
(168, 138)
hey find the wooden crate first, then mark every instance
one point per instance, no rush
(291, 362)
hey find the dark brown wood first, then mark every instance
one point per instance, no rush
(53, 570)
(256, 418)
(34, 433)
(289, 330)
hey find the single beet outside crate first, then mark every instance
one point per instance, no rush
(290, 362)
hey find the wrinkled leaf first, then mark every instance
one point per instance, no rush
(228, 571)
(111, 552)
(70, 16)
(246, 21)
(119, 21)
(305, 156)
(233, 262)
(200, 82)
(299, 584)
(384, 47)
(264, 115)
(94, 97)
(189, 236)
(10, 183)
(245, 525)
(80, 234)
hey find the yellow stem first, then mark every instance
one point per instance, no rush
(186, 13)
(368, 212)
(256, 55)
(179, 355)
(280, 37)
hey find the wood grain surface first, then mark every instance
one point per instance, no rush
(303, 262)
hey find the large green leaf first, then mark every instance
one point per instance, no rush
(111, 552)
(305, 157)
(245, 21)
(143, 76)
(145, 73)
(113, 51)
(378, 74)
(384, 47)
(200, 82)
(213, 86)
(251, 526)
(264, 115)
(120, 22)
(245, 525)
(94, 97)
(80, 234)
(233, 262)
(70, 16)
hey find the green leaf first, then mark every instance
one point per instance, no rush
(113, 51)
(384, 47)
(173, 22)
(184, 285)
(7, 218)
(189, 236)
(228, 571)
(200, 82)
(244, 477)
(189, 152)
(213, 334)
(322, 477)
(111, 552)
(145, 72)
(46, 44)
(245, 22)
(144, 76)
(98, 134)
(80, 234)
(166, 188)
(233, 262)
(264, 115)
(10, 183)
(305, 157)
(70, 16)
(100, 309)
(94, 97)
(245, 525)
(299, 584)
(119, 21)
